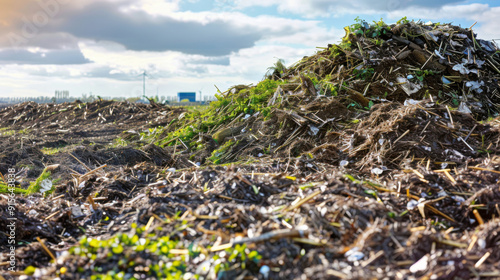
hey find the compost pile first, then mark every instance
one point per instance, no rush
(376, 157)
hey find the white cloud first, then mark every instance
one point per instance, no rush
(325, 8)
(488, 21)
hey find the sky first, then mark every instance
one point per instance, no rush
(104, 46)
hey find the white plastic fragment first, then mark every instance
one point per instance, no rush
(476, 86)
(343, 163)
(81, 185)
(445, 81)
(314, 129)
(461, 68)
(436, 52)
(264, 270)
(411, 204)
(488, 46)
(407, 86)
(462, 108)
(171, 170)
(420, 265)
(45, 185)
(455, 44)
(481, 243)
(442, 193)
(377, 171)
(458, 199)
(354, 255)
(204, 268)
(76, 211)
(411, 102)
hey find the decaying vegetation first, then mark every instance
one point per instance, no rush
(376, 157)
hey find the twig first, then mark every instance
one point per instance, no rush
(449, 114)
(275, 234)
(429, 59)
(460, 138)
(448, 175)
(482, 260)
(372, 258)
(150, 222)
(86, 167)
(52, 215)
(337, 274)
(470, 132)
(301, 202)
(478, 217)
(483, 169)
(92, 171)
(46, 249)
(91, 200)
(402, 135)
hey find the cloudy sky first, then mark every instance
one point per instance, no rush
(103, 46)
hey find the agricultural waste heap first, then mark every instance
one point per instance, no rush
(385, 94)
(374, 158)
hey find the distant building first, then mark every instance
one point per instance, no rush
(191, 96)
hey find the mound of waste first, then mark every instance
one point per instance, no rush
(385, 94)
(376, 158)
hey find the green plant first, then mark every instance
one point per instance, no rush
(239, 254)
(421, 74)
(403, 20)
(364, 74)
(276, 71)
(363, 28)
(4, 188)
(217, 155)
(222, 111)
(169, 258)
(37, 185)
(123, 250)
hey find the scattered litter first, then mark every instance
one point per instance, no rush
(377, 171)
(354, 255)
(290, 168)
(412, 204)
(420, 265)
(408, 87)
(264, 270)
(45, 185)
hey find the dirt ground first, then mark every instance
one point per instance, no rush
(320, 217)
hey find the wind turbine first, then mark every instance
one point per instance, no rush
(144, 75)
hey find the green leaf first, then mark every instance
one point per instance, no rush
(30, 270)
(117, 249)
